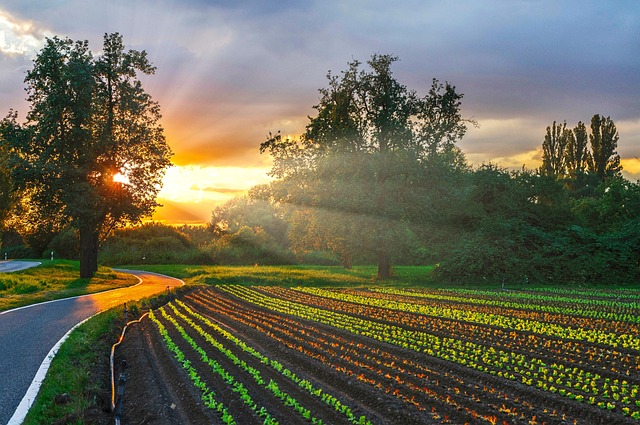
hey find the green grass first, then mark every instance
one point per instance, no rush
(71, 372)
(293, 275)
(80, 368)
(54, 280)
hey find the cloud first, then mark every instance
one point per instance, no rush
(216, 189)
(20, 37)
(178, 213)
(195, 183)
(230, 72)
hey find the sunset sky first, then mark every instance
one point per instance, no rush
(230, 72)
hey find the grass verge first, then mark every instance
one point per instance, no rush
(70, 387)
(54, 280)
(77, 387)
(293, 275)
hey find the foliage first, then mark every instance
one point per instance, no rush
(151, 242)
(357, 173)
(92, 153)
(249, 246)
(252, 212)
(250, 230)
(529, 228)
(65, 244)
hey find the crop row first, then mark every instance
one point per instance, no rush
(560, 307)
(567, 352)
(325, 397)
(626, 293)
(408, 379)
(208, 396)
(611, 339)
(611, 394)
(209, 341)
(228, 378)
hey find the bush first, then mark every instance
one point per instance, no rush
(18, 251)
(319, 258)
(248, 246)
(65, 244)
(150, 243)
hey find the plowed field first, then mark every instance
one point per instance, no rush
(233, 354)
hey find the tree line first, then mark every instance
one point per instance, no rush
(376, 177)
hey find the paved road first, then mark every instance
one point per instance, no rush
(28, 335)
(14, 266)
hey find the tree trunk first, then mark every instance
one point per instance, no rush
(384, 266)
(346, 261)
(88, 252)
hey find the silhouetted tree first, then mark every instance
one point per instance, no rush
(554, 149)
(92, 148)
(604, 142)
(577, 152)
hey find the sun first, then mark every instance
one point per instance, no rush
(121, 178)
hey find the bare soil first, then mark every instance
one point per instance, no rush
(385, 383)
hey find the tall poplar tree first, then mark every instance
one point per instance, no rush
(604, 142)
(554, 149)
(577, 154)
(92, 148)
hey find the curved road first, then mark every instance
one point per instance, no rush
(7, 266)
(29, 337)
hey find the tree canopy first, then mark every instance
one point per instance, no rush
(92, 149)
(570, 153)
(355, 176)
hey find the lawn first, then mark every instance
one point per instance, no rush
(299, 275)
(54, 280)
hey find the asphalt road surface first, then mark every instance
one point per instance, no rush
(28, 335)
(14, 266)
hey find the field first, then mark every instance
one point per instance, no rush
(385, 355)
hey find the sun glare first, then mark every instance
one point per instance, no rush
(196, 184)
(121, 178)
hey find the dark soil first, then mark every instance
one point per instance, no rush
(387, 384)
(156, 391)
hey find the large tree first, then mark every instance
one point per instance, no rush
(604, 142)
(356, 174)
(577, 152)
(92, 148)
(554, 149)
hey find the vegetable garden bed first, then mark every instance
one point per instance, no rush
(385, 356)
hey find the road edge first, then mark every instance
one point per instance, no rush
(32, 392)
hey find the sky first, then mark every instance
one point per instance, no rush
(230, 72)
